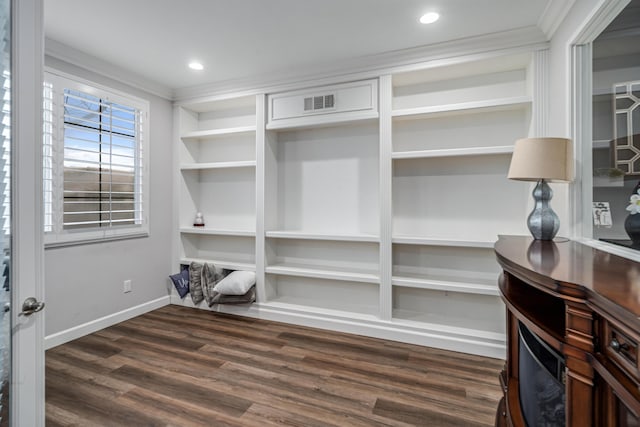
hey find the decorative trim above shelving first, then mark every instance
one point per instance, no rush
(319, 120)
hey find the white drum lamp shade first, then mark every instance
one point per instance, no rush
(542, 160)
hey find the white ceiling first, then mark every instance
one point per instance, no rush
(252, 39)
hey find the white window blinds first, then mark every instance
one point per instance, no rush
(5, 150)
(94, 170)
(47, 155)
(101, 162)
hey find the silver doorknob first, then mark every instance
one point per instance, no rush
(30, 306)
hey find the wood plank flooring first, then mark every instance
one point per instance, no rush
(184, 367)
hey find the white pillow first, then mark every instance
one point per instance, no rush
(236, 283)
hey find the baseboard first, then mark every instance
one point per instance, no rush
(71, 334)
(491, 345)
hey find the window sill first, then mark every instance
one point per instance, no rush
(614, 249)
(65, 241)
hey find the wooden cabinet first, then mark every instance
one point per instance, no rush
(583, 304)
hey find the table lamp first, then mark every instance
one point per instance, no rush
(543, 160)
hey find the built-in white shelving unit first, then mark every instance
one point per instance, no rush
(216, 151)
(368, 206)
(452, 139)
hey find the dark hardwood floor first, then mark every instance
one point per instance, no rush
(184, 367)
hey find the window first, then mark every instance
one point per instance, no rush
(94, 162)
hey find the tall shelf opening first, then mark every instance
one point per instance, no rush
(453, 131)
(217, 177)
(322, 215)
(324, 180)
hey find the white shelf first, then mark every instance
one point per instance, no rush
(323, 273)
(516, 102)
(301, 306)
(323, 120)
(330, 237)
(218, 165)
(419, 321)
(217, 232)
(211, 133)
(229, 265)
(601, 144)
(482, 287)
(453, 152)
(459, 325)
(415, 240)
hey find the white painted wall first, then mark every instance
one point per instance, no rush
(560, 96)
(84, 283)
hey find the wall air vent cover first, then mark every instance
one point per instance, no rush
(322, 102)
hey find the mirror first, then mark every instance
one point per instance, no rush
(5, 209)
(616, 130)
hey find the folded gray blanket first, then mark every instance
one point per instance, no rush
(211, 275)
(247, 298)
(202, 281)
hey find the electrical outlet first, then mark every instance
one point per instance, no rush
(127, 286)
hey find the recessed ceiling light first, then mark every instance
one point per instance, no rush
(429, 18)
(195, 65)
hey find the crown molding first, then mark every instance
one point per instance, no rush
(553, 15)
(517, 40)
(81, 59)
(455, 51)
(600, 17)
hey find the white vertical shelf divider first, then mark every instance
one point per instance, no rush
(175, 207)
(540, 90)
(386, 202)
(260, 197)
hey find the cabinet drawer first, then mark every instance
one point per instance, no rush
(621, 348)
(348, 101)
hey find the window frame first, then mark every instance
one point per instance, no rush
(58, 236)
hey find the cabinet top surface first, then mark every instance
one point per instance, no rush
(574, 271)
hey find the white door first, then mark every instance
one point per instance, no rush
(27, 253)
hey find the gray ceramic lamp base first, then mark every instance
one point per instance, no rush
(543, 222)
